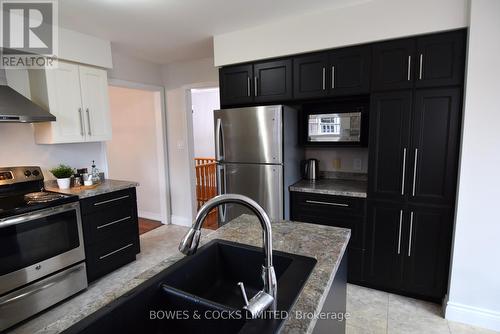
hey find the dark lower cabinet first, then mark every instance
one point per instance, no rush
(426, 263)
(339, 211)
(110, 231)
(384, 244)
(408, 248)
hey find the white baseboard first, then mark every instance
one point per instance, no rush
(471, 315)
(183, 221)
(149, 215)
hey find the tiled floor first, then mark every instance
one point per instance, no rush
(374, 312)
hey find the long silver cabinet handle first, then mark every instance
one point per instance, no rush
(399, 233)
(411, 232)
(333, 77)
(53, 281)
(88, 119)
(111, 200)
(82, 130)
(115, 251)
(255, 86)
(409, 68)
(421, 68)
(327, 203)
(113, 222)
(415, 164)
(404, 172)
(248, 86)
(324, 78)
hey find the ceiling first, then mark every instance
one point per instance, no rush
(163, 31)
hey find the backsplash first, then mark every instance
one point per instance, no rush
(352, 160)
(19, 148)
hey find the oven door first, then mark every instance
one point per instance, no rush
(39, 243)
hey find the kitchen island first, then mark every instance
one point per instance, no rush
(324, 243)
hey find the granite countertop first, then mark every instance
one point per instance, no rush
(325, 243)
(338, 187)
(107, 186)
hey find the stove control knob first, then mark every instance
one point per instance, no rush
(36, 172)
(27, 173)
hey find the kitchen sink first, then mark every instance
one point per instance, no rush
(199, 293)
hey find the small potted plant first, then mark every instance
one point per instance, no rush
(63, 174)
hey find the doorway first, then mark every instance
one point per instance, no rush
(203, 102)
(137, 151)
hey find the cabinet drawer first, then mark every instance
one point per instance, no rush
(121, 198)
(104, 224)
(106, 256)
(319, 203)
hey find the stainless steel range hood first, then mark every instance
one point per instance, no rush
(16, 108)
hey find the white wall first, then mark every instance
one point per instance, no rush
(3, 79)
(129, 68)
(365, 22)
(204, 102)
(346, 156)
(83, 48)
(19, 148)
(474, 292)
(132, 153)
(179, 78)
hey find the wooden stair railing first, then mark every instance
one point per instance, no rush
(206, 187)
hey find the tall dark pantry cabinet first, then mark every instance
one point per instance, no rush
(415, 118)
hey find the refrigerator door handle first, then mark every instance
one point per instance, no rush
(219, 141)
(221, 189)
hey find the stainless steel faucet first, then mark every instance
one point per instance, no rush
(265, 299)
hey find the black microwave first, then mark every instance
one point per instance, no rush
(335, 124)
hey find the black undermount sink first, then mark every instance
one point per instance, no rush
(203, 284)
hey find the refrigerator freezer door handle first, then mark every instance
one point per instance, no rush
(219, 141)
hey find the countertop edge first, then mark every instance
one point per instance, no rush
(329, 192)
(107, 186)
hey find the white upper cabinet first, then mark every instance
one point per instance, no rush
(78, 96)
(95, 101)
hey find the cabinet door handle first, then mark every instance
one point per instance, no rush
(82, 130)
(248, 86)
(333, 76)
(421, 68)
(411, 233)
(415, 164)
(115, 251)
(409, 68)
(399, 233)
(88, 119)
(404, 172)
(255, 85)
(327, 203)
(111, 200)
(324, 78)
(113, 222)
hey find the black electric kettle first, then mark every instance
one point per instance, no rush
(310, 169)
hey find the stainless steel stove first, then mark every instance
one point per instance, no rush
(41, 245)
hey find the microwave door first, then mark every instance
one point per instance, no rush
(335, 127)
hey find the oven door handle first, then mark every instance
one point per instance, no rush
(37, 215)
(56, 279)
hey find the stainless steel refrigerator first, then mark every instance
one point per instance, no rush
(258, 155)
